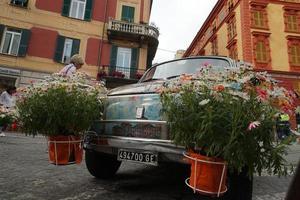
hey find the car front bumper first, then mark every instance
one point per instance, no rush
(167, 151)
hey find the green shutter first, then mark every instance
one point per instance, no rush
(88, 10)
(131, 14)
(134, 62)
(75, 47)
(127, 13)
(113, 58)
(24, 42)
(124, 13)
(66, 8)
(60, 43)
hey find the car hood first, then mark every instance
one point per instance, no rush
(138, 88)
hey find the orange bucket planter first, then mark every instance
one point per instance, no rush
(64, 150)
(208, 175)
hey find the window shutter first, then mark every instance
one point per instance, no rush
(294, 54)
(88, 10)
(124, 13)
(24, 42)
(60, 43)
(134, 62)
(2, 27)
(127, 14)
(113, 58)
(75, 47)
(66, 8)
(298, 54)
(131, 14)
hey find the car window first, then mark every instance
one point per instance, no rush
(185, 66)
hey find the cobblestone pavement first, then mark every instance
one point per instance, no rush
(26, 174)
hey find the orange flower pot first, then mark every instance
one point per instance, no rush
(64, 150)
(208, 175)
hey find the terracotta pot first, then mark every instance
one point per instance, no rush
(208, 177)
(65, 150)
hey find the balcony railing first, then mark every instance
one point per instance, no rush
(140, 29)
(120, 72)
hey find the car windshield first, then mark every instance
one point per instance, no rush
(186, 66)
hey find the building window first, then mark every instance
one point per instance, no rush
(65, 49)
(259, 18)
(232, 50)
(230, 5)
(214, 46)
(21, 3)
(124, 61)
(231, 28)
(261, 49)
(294, 51)
(295, 54)
(79, 9)
(14, 41)
(11, 41)
(291, 20)
(127, 14)
(261, 52)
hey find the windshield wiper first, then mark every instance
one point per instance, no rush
(170, 77)
(152, 79)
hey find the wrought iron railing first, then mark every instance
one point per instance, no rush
(128, 27)
(120, 72)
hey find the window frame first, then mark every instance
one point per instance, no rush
(67, 60)
(231, 28)
(77, 9)
(214, 46)
(125, 51)
(293, 41)
(13, 32)
(133, 17)
(232, 49)
(13, 2)
(264, 38)
(291, 12)
(260, 8)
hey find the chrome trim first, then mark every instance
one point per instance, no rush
(131, 95)
(136, 139)
(167, 151)
(133, 121)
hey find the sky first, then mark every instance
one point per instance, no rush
(178, 22)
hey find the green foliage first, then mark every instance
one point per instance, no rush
(58, 112)
(216, 119)
(6, 118)
(60, 105)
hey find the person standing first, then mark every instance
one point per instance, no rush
(76, 62)
(7, 100)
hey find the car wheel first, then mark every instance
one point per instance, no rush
(100, 165)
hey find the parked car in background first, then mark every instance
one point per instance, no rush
(133, 127)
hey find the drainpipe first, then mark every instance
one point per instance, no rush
(102, 37)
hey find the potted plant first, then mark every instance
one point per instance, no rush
(61, 108)
(7, 116)
(118, 74)
(226, 116)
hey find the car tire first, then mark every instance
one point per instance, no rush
(100, 165)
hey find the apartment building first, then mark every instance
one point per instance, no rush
(38, 37)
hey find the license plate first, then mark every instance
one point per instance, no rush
(137, 156)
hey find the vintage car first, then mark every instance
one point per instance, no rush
(133, 127)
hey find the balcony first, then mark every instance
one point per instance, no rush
(133, 31)
(115, 76)
(140, 33)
